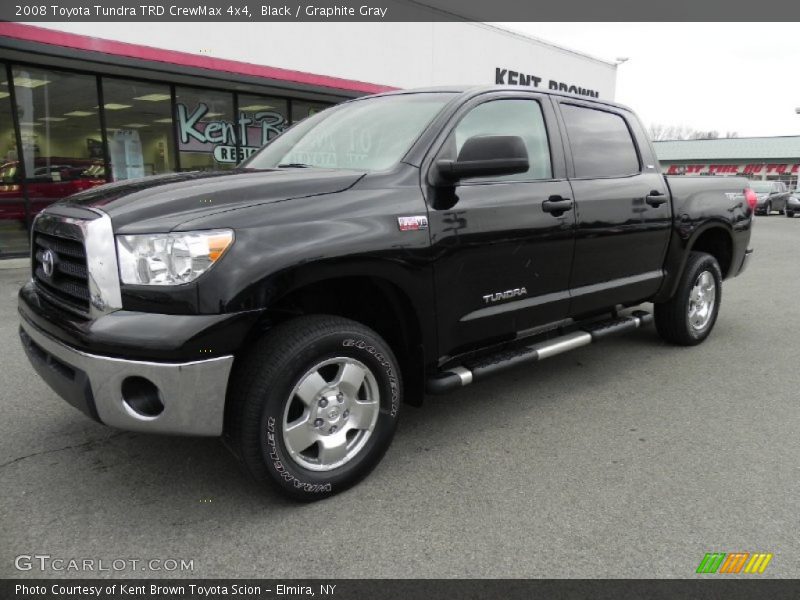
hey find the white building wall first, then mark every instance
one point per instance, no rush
(402, 55)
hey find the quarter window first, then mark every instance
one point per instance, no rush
(508, 117)
(601, 143)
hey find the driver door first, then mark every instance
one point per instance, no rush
(502, 258)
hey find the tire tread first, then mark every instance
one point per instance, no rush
(670, 316)
(253, 376)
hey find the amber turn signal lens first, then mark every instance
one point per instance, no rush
(217, 245)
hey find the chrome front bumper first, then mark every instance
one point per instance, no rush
(192, 393)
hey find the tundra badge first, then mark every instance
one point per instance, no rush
(507, 295)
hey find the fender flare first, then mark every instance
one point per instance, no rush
(678, 255)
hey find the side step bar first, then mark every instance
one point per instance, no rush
(481, 368)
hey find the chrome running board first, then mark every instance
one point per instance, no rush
(483, 367)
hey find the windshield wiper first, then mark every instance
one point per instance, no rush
(294, 166)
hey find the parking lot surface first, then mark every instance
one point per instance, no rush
(629, 458)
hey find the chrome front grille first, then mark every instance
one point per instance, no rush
(60, 271)
(74, 261)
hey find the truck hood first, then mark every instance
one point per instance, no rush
(161, 203)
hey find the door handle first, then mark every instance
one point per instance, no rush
(556, 205)
(655, 198)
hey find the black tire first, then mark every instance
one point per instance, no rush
(262, 385)
(789, 213)
(672, 317)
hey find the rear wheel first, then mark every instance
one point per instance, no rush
(314, 406)
(689, 316)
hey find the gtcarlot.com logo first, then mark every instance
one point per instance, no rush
(46, 562)
(734, 562)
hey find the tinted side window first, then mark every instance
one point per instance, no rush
(507, 117)
(601, 143)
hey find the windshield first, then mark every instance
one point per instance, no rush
(761, 187)
(368, 135)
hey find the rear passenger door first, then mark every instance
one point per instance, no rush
(622, 205)
(501, 255)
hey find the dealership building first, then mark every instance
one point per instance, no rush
(767, 158)
(82, 104)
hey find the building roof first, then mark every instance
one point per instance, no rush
(730, 148)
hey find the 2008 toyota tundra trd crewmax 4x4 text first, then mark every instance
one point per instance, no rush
(407, 242)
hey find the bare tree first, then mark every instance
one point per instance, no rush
(659, 132)
(704, 135)
(656, 132)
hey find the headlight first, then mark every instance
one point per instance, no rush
(170, 258)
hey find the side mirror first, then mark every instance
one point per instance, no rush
(484, 156)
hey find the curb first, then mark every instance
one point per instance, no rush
(14, 263)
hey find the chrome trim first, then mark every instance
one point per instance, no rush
(193, 393)
(101, 262)
(464, 374)
(33, 245)
(617, 283)
(101, 259)
(562, 344)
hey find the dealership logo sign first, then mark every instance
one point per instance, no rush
(220, 137)
(509, 77)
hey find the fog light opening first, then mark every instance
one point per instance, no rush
(142, 397)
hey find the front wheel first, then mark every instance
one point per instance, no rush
(789, 213)
(314, 406)
(689, 316)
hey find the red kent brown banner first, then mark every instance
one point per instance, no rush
(742, 169)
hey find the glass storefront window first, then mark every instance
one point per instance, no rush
(13, 214)
(59, 122)
(205, 128)
(302, 109)
(62, 148)
(261, 118)
(138, 118)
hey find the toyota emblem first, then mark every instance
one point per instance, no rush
(48, 262)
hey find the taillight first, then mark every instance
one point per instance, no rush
(751, 198)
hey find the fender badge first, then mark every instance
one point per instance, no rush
(412, 223)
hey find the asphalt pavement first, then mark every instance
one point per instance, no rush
(630, 458)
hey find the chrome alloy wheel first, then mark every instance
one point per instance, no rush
(331, 414)
(701, 301)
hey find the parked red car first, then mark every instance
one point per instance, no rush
(52, 179)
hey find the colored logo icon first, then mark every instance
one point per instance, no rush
(734, 562)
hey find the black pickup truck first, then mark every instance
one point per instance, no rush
(392, 245)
